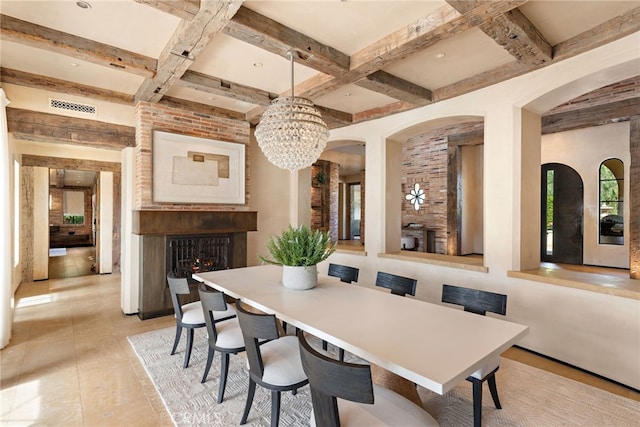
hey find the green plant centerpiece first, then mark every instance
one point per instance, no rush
(299, 250)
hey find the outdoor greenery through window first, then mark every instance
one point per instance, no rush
(611, 202)
(73, 219)
(549, 222)
(73, 207)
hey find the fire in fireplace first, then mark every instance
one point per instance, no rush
(187, 255)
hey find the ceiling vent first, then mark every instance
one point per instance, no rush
(59, 104)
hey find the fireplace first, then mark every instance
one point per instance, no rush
(185, 242)
(187, 255)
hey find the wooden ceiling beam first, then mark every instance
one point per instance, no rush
(270, 35)
(395, 87)
(425, 32)
(474, 137)
(45, 127)
(607, 32)
(216, 86)
(183, 9)
(199, 108)
(623, 25)
(22, 78)
(591, 116)
(335, 118)
(514, 32)
(30, 34)
(186, 43)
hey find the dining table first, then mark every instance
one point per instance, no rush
(432, 345)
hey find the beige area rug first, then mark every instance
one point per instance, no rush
(529, 396)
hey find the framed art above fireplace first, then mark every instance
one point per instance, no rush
(188, 169)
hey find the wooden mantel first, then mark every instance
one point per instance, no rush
(193, 222)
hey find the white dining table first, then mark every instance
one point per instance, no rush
(432, 345)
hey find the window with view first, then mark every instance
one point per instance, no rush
(611, 202)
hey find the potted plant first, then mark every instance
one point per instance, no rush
(299, 250)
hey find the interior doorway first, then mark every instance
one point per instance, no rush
(562, 213)
(72, 219)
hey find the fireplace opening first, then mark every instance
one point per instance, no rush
(187, 255)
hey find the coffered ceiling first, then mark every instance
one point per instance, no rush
(356, 59)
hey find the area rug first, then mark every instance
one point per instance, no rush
(57, 252)
(529, 396)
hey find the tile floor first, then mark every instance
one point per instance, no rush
(69, 362)
(79, 261)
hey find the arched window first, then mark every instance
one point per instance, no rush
(611, 202)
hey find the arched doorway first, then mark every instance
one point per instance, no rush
(562, 213)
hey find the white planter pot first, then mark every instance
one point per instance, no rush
(299, 278)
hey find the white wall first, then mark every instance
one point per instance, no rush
(584, 150)
(129, 249)
(597, 332)
(104, 255)
(40, 223)
(270, 197)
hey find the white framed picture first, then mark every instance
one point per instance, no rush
(188, 169)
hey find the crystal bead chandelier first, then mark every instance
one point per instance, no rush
(291, 132)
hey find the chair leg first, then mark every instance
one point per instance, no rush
(494, 390)
(247, 407)
(477, 402)
(341, 354)
(187, 354)
(177, 339)
(275, 408)
(210, 355)
(224, 371)
(284, 327)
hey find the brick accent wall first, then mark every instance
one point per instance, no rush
(150, 117)
(424, 161)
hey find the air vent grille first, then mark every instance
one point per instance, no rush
(72, 106)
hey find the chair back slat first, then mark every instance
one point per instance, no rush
(330, 379)
(474, 300)
(177, 286)
(397, 284)
(212, 300)
(255, 328)
(345, 273)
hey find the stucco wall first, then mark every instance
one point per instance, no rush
(584, 150)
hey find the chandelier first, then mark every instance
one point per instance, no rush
(291, 132)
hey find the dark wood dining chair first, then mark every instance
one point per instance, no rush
(343, 394)
(274, 364)
(188, 316)
(397, 284)
(225, 336)
(346, 274)
(479, 302)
